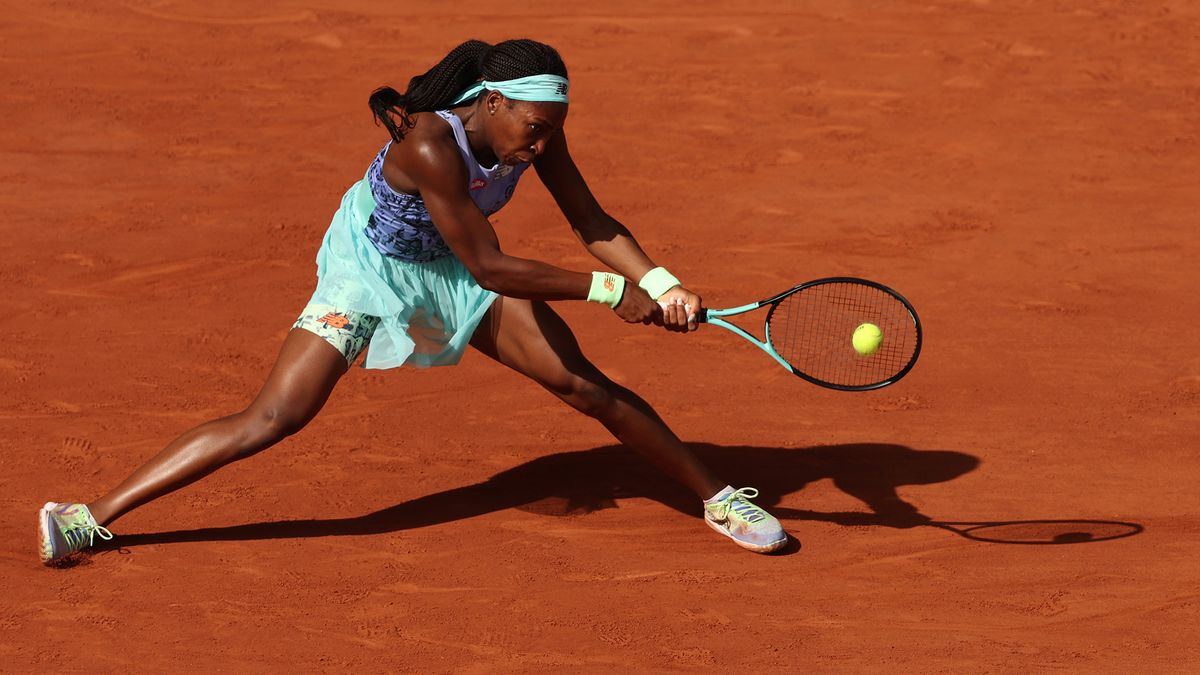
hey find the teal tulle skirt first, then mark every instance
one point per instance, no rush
(427, 310)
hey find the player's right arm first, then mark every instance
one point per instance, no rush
(435, 167)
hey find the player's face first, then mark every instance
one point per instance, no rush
(518, 130)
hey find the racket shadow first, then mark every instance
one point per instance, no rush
(873, 472)
(570, 484)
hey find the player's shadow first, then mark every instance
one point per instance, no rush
(575, 483)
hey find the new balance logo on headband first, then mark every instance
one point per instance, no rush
(561, 89)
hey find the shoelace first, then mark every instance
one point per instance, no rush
(75, 535)
(736, 501)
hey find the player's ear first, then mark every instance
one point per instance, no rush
(492, 101)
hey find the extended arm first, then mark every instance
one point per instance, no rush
(603, 236)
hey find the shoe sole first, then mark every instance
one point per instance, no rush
(44, 531)
(764, 548)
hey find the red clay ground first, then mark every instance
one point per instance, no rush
(1026, 172)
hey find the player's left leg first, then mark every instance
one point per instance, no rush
(531, 339)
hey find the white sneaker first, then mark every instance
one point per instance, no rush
(66, 528)
(732, 514)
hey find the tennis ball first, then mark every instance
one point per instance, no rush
(867, 338)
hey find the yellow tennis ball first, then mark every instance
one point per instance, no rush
(867, 338)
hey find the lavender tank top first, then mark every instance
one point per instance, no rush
(400, 226)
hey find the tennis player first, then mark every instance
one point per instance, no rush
(411, 266)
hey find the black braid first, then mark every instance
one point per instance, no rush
(511, 59)
(465, 64)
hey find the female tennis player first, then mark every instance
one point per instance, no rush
(411, 265)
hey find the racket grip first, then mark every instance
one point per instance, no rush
(694, 318)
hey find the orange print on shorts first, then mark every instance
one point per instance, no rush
(334, 320)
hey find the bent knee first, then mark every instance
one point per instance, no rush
(268, 424)
(590, 398)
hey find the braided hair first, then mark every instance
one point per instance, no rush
(466, 64)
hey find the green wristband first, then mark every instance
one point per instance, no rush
(607, 288)
(658, 281)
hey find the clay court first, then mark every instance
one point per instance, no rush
(1025, 172)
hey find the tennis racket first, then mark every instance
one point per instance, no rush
(808, 330)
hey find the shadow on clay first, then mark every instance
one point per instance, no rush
(577, 483)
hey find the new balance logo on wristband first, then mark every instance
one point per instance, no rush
(607, 288)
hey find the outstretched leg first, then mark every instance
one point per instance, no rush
(305, 373)
(531, 339)
(534, 341)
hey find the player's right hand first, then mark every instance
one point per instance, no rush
(636, 306)
(680, 308)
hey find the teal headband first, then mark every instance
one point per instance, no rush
(549, 88)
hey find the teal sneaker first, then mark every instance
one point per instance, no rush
(64, 529)
(733, 514)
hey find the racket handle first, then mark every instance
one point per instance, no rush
(698, 317)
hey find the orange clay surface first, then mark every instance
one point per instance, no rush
(1025, 172)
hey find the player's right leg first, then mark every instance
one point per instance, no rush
(532, 339)
(309, 365)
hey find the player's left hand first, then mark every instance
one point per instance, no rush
(681, 306)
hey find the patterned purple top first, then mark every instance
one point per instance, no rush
(400, 226)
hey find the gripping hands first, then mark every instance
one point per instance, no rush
(673, 311)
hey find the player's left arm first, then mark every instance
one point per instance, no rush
(604, 236)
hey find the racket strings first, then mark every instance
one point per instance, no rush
(813, 328)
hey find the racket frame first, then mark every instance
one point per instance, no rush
(713, 316)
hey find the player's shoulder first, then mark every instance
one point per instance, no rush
(429, 131)
(427, 159)
(428, 143)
